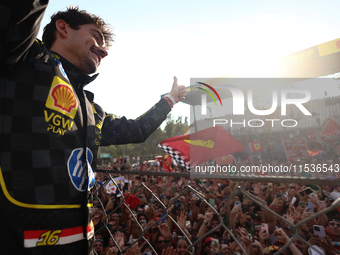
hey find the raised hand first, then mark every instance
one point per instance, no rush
(169, 251)
(164, 229)
(181, 219)
(178, 92)
(119, 238)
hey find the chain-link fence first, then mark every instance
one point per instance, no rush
(237, 233)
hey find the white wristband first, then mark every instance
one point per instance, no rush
(172, 99)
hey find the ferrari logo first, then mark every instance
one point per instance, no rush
(257, 146)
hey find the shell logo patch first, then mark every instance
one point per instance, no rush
(61, 98)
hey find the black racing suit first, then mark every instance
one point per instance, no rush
(50, 132)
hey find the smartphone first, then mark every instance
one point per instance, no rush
(301, 203)
(187, 223)
(277, 195)
(310, 205)
(320, 231)
(308, 191)
(293, 200)
(248, 226)
(212, 201)
(215, 243)
(143, 223)
(270, 185)
(224, 242)
(238, 203)
(147, 253)
(285, 195)
(245, 209)
(264, 226)
(146, 207)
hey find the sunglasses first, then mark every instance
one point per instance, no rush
(332, 224)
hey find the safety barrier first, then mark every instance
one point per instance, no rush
(240, 181)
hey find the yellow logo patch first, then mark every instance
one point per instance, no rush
(203, 143)
(61, 98)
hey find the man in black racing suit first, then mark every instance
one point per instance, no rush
(50, 128)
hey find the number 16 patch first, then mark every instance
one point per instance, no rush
(35, 238)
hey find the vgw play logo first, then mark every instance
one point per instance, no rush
(238, 99)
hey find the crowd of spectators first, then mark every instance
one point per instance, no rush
(257, 230)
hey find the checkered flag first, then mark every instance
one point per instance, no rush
(176, 156)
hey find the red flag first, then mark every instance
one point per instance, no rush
(225, 160)
(167, 163)
(313, 153)
(331, 128)
(131, 200)
(194, 149)
(295, 149)
(255, 147)
(330, 131)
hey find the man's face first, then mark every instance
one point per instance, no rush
(334, 226)
(86, 48)
(98, 247)
(214, 223)
(115, 217)
(247, 201)
(161, 243)
(97, 212)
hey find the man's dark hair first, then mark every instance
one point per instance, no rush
(75, 18)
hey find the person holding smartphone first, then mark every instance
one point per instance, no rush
(333, 226)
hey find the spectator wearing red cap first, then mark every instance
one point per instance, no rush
(206, 246)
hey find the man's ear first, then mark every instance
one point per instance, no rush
(62, 28)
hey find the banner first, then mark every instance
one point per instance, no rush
(255, 147)
(167, 163)
(111, 188)
(193, 149)
(295, 149)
